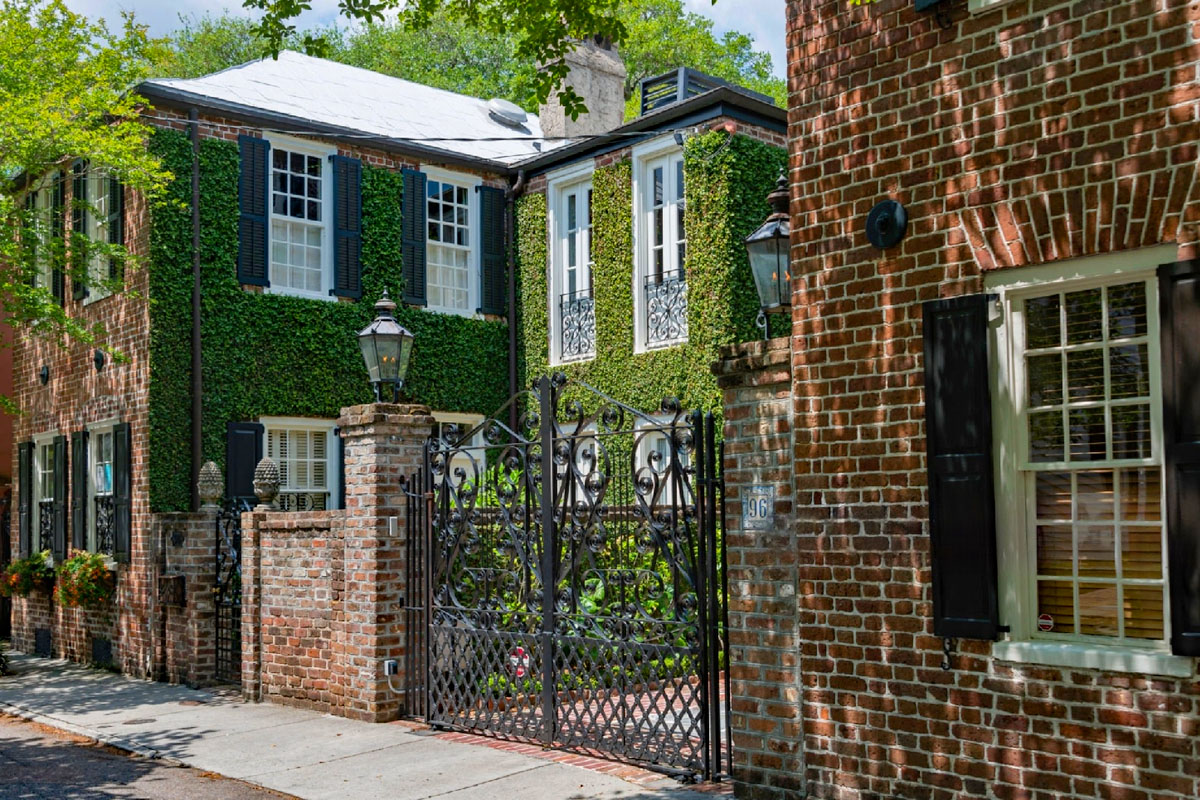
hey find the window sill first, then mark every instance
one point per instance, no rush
(562, 362)
(650, 348)
(457, 312)
(1099, 657)
(326, 297)
(984, 5)
(95, 298)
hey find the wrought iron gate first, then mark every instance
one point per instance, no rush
(567, 579)
(227, 593)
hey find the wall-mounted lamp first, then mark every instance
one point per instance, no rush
(44, 374)
(886, 224)
(99, 359)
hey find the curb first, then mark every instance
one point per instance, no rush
(88, 733)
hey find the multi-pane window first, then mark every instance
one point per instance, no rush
(448, 249)
(302, 454)
(40, 210)
(1092, 466)
(45, 469)
(576, 323)
(103, 206)
(662, 250)
(667, 239)
(100, 453)
(297, 221)
(468, 451)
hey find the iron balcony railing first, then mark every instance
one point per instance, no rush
(106, 529)
(578, 324)
(666, 308)
(46, 525)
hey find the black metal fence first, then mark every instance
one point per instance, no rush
(227, 592)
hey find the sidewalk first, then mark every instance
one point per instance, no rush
(302, 753)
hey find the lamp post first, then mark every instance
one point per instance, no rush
(769, 257)
(386, 346)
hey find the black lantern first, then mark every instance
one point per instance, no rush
(769, 257)
(386, 346)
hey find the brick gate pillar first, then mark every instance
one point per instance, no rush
(764, 647)
(383, 442)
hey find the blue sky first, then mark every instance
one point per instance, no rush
(762, 19)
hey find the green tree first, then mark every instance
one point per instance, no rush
(64, 95)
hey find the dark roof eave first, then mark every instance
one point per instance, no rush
(257, 116)
(721, 99)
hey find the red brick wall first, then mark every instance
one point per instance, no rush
(1032, 132)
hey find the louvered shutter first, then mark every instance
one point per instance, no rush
(341, 468)
(60, 498)
(1179, 303)
(122, 492)
(79, 225)
(254, 213)
(58, 216)
(24, 499)
(29, 235)
(116, 223)
(492, 250)
(347, 227)
(79, 489)
(413, 237)
(958, 429)
(243, 451)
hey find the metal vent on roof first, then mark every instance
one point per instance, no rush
(680, 84)
(507, 113)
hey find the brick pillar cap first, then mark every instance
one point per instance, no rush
(756, 356)
(370, 414)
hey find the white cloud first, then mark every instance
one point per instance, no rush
(764, 20)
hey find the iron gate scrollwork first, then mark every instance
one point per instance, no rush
(227, 592)
(572, 580)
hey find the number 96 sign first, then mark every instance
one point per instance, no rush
(758, 508)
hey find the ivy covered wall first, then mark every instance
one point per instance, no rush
(727, 180)
(277, 355)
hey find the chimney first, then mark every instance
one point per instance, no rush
(598, 76)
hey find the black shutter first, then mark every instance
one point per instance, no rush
(58, 216)
(958, 430)
(1179, 303)
(30, 235)
(116, 223)
(122, 492)
(24, 499)
(60, 497)
(492, 250)
(79, 491)
(79, 223)
(347, 227)
(253, 190)
(413, 237)
(341, 460)
(243, 451)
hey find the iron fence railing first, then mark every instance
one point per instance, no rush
(46, 525)
(666, 308)
(106, 540)
(578, 324)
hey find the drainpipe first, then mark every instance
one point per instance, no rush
(197, 383)
(510, 234)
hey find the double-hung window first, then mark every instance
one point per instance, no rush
(450, 243)
(300, 190)
(43, 211)
(468, 450)
(44, 468)
(572, 303)
(102, 216)
(660, 280)
(100, 515)
(305, 452)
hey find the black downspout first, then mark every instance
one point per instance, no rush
(510, 224)
(197, 383)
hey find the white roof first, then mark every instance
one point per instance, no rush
(327, 92)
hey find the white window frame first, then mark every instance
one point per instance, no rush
(40, 442)
(660, 426)
(471, 183)
(476, 446)
(94, 431)
(323, 152)
(333, 472)
(97, 231)
(647, 155)
(1015, 534)
(561, 183)
(43, 231)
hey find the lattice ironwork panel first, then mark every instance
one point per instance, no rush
(666, 309)
(227, 595)
(578, 325)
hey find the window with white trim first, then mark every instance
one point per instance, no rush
(306, 452)
(1083, 539)
(101, 268)
(458, 432)
(100, 512)
(572, 303)
(39, 205)
(44, 467)
(300, 238)
(660, 281)
(654, 451)
(450, 247)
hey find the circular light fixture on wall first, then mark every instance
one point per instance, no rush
(44, 374)
(886, 224)
(98, 358)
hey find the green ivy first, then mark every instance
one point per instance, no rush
(727, 181)
(277, 355)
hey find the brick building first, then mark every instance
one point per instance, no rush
(992, 562)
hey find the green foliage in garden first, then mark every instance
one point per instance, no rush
(277, 355)
(726, 182)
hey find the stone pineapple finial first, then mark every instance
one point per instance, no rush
(210, 486)
(266, 484)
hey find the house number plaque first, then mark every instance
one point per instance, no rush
(758, 507)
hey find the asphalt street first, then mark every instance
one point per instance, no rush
(39, 762)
